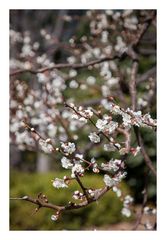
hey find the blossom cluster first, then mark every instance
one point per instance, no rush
(130, 117)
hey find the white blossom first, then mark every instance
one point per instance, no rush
(148, 225)
(106, 104)
(94, 137)
(104, 125)
(71, 59)
(77, 168)
(127, 200)
(79, 156)
(52, 130)
(59, 183)
(68, 147)
(91, 80)
(148, 210)
(66, 163)
(94, 165)
(109, 147)
(100, 124)
(87, 113)
(126, 212)
(123, 151)
(73, 84)
(72, 73)
(154, 211)
(45, 146)
(54, 217)
(109, 181)
(105, 90)
(112, 165)
(77, 195)
(42, 78)
(120, 176)
(112, 126)
(117, 191)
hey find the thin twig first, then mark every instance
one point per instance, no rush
(70, 206)
(82, 187)
(132, 85)
(145, 198)
(66, 65)
(143, 151)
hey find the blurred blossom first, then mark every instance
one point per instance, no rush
(66, 163)
(126, 212)
(91, 80)
(94, 137)
(59, 183)
(68, 147)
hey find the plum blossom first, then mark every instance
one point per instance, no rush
(45, 145)
(91, 80)
(117, 191)
(59, 183)
(66, 163)
(109, 147)
(101, 124)
(78, 169)
(68, 147)
(148, 225)
(109, 181)
(112, 165)
(128, 200)
(81, 114)
(126, 212)
(54, 217)
(94, 165)
(148, 210)
(106, 125)
(77, 195)
(94, 137)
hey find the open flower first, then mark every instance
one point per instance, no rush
(126, 212)
(45, 145)
(66, 163)
(109, 181)
(77, 168)
(94, 137)
(68, 147)
(59, 183)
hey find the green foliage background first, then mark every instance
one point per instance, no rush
(99, 214)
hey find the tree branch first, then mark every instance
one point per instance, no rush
(143, 151)
(67, 65)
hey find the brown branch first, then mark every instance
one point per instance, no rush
(144, 27)
(127, 137)
(40, 203)
(145, 76)
(145, 198)
(66, 65)
(32, 130)
(82, 187)
(132, 84)
(143, 151)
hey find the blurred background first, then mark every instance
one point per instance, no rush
(40, 38)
